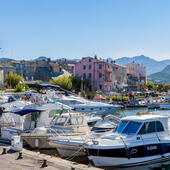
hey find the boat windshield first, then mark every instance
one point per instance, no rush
(121, 126)
(60, 121)
(128, 127)
(72, 102)
(131, 128)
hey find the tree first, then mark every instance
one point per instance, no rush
(161, 88)
(19, 87)
(76, 83)
(64, 82)
(150, 85)
(12, 79)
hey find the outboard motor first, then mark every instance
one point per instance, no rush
(11, 99)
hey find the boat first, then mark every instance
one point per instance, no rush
(25, 119)
(165, 106)
(80, 104)
(137, 140)
(17, 120)
(92, 119)
(73, 146)
(109, 122)
(65, 124)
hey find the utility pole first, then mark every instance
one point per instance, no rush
(81, 85)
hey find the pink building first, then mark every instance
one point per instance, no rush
(137, 71)
(97, 71)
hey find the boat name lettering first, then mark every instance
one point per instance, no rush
(133, 151)
(151, 148)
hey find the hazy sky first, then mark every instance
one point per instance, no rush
(79, 28)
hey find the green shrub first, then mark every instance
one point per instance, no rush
(19, 87)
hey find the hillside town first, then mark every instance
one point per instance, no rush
(84, 85)
(103, 75)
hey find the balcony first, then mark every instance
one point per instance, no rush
(108, 80)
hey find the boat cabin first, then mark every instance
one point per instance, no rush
(143, 124)
(76, 122)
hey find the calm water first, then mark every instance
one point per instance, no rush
(133, 111)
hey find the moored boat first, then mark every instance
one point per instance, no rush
(137, 140)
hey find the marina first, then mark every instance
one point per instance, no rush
(57, 130)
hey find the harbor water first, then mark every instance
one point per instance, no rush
(132, 111)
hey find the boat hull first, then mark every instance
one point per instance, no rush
(125, 162)
(67, 149)
(37, 141)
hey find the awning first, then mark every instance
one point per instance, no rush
(101, 97)
(43, 85)
(23, 112)
(48, 85)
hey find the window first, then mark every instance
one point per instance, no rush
(84, 75)
(91, 108)
(121, 126)
(60, 121)
(84, 67)
(100, 75)
(80, 120)
(100, 87)
(143, 129)
(159, 126)
(151, 128)
(82, 109)
(100, 66)
(89, 67)
(131, 128)
(89, 59)
(89, 75)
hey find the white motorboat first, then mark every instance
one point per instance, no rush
(74, 146)
(26, 119)
(109, 122)
(66, 124)
(92, 119)
(137, 140)
(80, 104)
(165, 106)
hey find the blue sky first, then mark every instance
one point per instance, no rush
(79, 28)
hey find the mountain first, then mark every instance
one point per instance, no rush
(152, 66)
(41, 58)
(6, 59)
(166, 61)
(162, 76)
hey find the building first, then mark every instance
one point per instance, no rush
(119, 77)
(43, 70)
(46, 70)
(99, 73)
(7, 67)
(1, 78)
(136, 76)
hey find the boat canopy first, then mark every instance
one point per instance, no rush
(23, 112)
(48, 85)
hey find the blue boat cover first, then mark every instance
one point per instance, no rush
(23, 112)
(49, 85)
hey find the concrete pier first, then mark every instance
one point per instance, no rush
(33, 161)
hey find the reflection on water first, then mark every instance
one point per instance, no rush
(155, 166)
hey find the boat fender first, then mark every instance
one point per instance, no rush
(127, 151)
